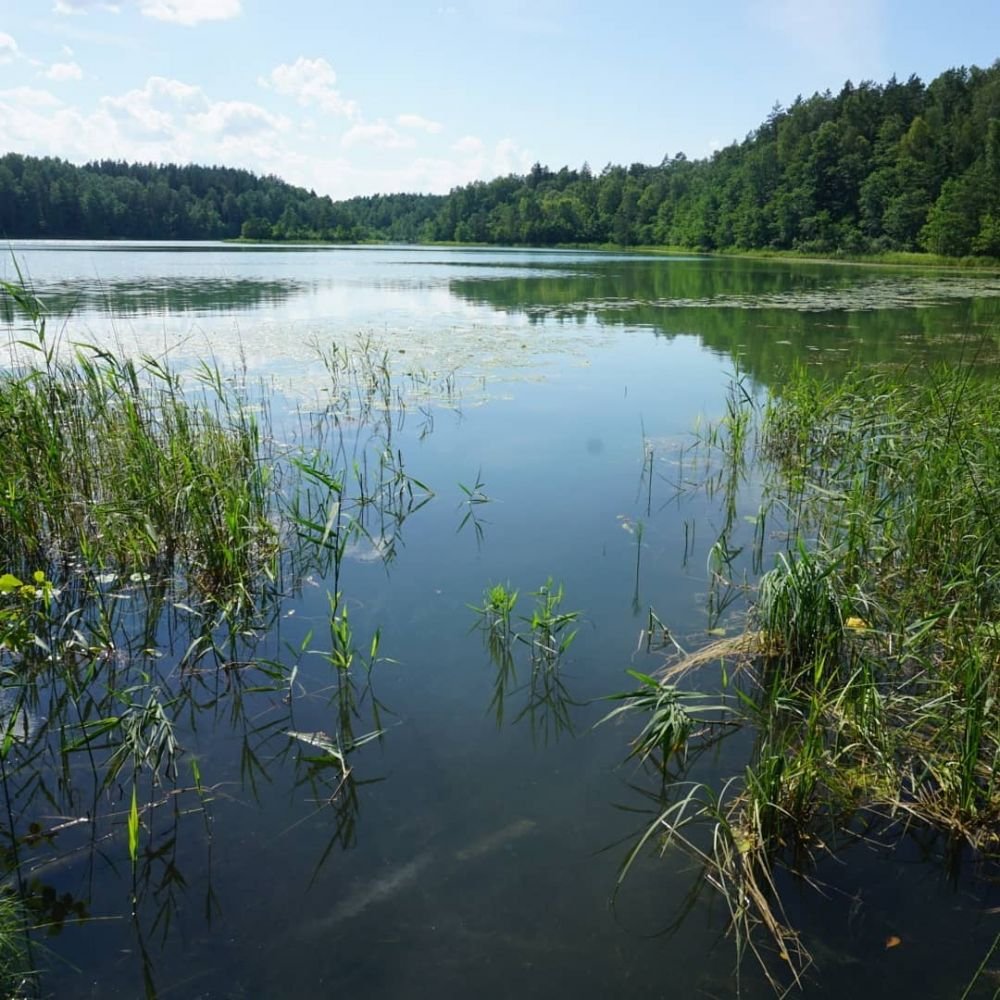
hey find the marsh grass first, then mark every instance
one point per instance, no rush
(118, 464)
(149, 527)
(867, 670)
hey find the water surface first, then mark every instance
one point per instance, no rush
(475, 857)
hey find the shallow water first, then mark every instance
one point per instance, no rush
(478, 851)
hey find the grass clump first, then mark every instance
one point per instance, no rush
(122, 465)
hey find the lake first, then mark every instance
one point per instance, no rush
(543, 409)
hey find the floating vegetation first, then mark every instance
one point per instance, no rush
(893, 292)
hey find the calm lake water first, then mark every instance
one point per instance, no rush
(477, 852)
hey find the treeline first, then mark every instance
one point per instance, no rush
(899, 166)
(50, 198)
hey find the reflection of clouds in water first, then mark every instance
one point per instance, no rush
(284, 352)
(367, 550)
(425, 332)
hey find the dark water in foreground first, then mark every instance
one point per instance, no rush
(476, 852)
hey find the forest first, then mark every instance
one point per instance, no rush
(900, 166)
(48, 198)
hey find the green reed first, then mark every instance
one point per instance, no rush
(867, 668)
(547, 633)
(123, 465)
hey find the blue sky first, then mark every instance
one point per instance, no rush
(360, 97)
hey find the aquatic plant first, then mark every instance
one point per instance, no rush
(124, 466)
(547, 637)
(474, 496)
(149, 525)
(867, 667)
(672, 717)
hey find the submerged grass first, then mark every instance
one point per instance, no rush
(868, 668)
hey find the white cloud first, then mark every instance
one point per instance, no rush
(165, 121)
(844, 38)
(479, 163)
(310, 82)
(151, 113)
(162, 111)
(190, 12)
(238, 119)
(469, 145)
(64, 71)
(29, 97)
(377, 134)
(82, 6)
(186, 12)
(509, 158)
(175, 90)
(420, 123)
(8, 48)
(171, 120)
(136, 117)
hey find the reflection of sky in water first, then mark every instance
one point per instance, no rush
(266, 310)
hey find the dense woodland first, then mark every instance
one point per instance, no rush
(899, 166)
(50, 198)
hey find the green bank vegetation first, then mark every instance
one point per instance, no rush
(867, 669)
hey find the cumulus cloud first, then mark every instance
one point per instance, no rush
(185, 12)
(179, 113)
(311, 82)
(420, 123)
(64, 71)
(29, 97)
(164, 121)
(151, 112)
(478, 162)
(469, 145)
(509, 158)
(8, 48)
(376, 134)
(239, 119)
